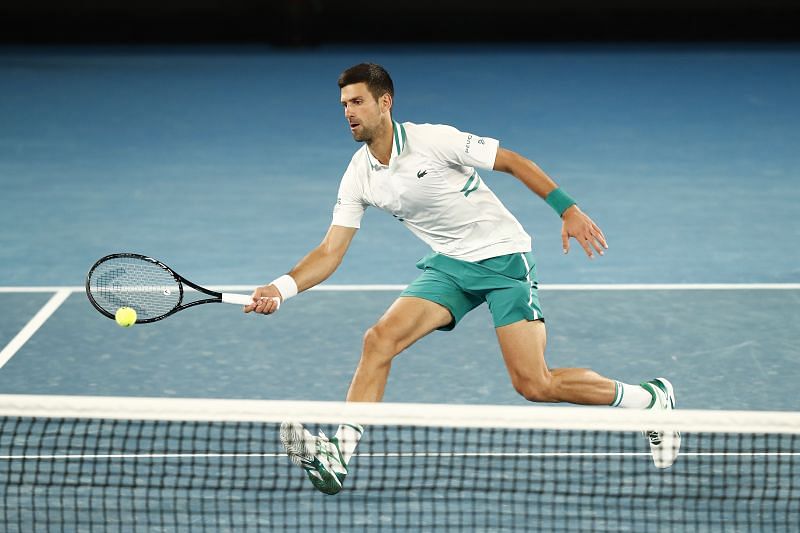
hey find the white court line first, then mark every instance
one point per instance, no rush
(591, 287)
(58, 457)
(38, 289)
(63, 292)
(551, 287)
(33, 325)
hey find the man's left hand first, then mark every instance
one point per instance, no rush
(580, 227)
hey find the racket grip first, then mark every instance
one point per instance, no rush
(241, 299)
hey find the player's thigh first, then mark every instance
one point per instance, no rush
(439, 284)
(406, 321)
(523, 345)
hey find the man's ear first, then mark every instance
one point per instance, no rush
(386, 102)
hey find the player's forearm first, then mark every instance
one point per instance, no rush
(525, 171)
(323, 260)
(315, 268)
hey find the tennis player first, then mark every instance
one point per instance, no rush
(425, 176)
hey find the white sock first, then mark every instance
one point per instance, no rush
(348, 436)
(631, 396)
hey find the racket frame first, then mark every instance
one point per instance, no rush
(216, 297)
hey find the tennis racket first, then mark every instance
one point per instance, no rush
(148, 286)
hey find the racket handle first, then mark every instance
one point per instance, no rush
(240, 299)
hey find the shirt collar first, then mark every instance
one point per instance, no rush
(398, 145)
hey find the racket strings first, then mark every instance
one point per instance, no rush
(146, 287)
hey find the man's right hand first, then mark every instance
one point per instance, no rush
(266, 300)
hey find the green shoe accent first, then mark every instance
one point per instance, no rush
(649, 388)
(340, 458)
(658, 383)
(357, 427)
(325, 481)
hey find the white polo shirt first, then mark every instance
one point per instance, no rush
(431, 186)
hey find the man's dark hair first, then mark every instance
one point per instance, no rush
(375, 76)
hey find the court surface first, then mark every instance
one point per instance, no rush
(224, 163)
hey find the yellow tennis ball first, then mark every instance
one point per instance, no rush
(125, 317)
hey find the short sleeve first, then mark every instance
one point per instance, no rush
(463, 148)
(350, 205)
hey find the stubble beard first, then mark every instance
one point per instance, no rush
(363, 136)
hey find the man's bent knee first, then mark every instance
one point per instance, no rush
(536, 390)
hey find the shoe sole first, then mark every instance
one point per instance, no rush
(294, 442)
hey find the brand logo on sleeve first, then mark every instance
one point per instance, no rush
(421, 173)
(469, 141)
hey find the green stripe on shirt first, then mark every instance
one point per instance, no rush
(469, 182)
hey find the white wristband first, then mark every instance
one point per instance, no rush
(286, 286)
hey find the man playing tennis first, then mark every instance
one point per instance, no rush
(425, 175)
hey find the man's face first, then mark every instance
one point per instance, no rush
(362, 111)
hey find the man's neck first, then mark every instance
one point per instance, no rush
(381, 145)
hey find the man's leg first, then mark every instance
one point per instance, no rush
(325, 460)
(523, 346)
(405, 322)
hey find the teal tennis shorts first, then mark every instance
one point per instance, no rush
(507, 283)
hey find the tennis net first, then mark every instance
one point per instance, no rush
(142, 464)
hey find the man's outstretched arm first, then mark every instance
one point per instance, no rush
(576, 223)
(313, 269)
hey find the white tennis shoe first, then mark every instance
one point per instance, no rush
(319, 456)
(664, 445)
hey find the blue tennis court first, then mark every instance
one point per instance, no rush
(224, 163)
